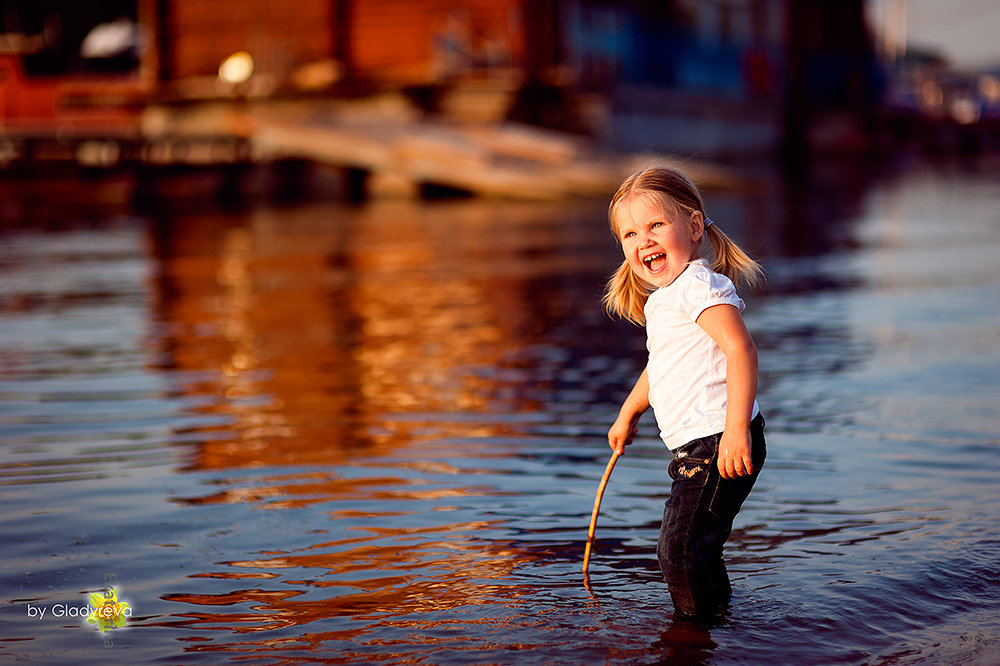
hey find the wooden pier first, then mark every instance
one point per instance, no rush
(399, 154)
(397, 148)
(505, 160)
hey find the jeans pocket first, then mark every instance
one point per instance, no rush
(688, 467)
(729, 495)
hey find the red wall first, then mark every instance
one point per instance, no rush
(390, 41)
(279, 34)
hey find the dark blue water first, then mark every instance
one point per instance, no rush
(373, 435)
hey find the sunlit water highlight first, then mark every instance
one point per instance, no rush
(356, 435)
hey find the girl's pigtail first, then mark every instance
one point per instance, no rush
(625, 295)
(731, 261)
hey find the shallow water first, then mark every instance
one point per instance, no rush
(320, 433)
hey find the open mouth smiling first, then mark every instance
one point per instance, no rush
(654, 261)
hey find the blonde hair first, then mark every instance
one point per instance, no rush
(626, 293)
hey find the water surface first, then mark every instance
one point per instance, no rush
(320, 433)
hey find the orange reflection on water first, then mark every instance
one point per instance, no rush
(319, 322)
(329, 339)
(300, 490)
(414, 570)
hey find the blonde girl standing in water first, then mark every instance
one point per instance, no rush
(700, 377)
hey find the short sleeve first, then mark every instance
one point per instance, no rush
(704, 289)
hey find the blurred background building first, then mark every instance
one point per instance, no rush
(723, 79)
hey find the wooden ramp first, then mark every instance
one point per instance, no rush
(506, 160)
(402, 150)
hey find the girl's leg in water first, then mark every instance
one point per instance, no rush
(697, 520)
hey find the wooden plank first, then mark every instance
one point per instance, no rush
(531, 143)
(440, 147)
(509, 161)
(330, 145)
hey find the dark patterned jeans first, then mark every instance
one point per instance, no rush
(697, 520)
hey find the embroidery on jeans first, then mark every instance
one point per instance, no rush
(688, 472)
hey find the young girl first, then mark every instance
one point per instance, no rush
(700, 378)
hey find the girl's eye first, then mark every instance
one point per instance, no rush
(629, 234)
(657, 224)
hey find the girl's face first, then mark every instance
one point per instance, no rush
(658, 246)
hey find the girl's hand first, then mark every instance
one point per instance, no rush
(734, 454)
(622, 433)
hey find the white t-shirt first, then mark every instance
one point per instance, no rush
(686, 368)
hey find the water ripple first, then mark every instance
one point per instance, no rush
(291, 445)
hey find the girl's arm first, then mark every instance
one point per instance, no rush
(622, 432)
(725, 326)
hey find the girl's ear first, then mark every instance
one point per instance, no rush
(697, 225)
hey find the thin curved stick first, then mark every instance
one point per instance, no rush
(593, 515)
